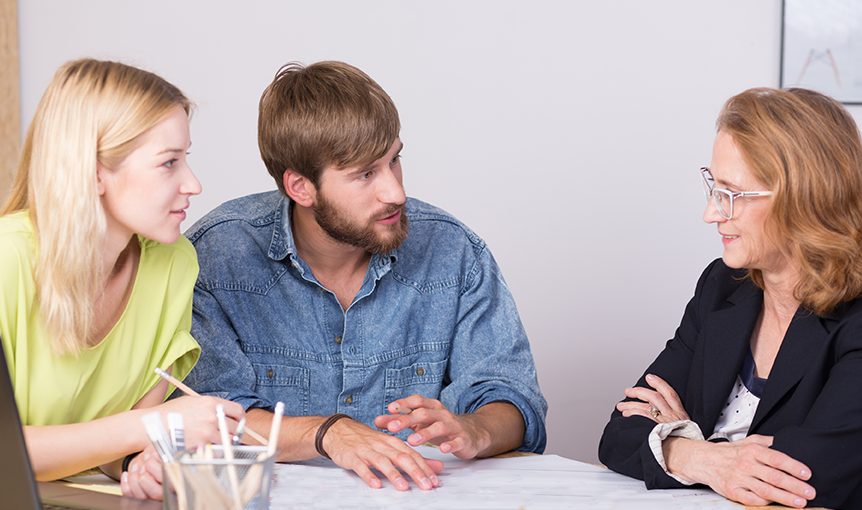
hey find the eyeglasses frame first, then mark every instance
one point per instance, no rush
(711, 190)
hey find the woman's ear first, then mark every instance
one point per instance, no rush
(101, 175)
(299, 188)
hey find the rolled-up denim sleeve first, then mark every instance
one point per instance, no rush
(491, 359)
(223, 369)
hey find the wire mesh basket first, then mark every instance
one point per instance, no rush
(207, 479)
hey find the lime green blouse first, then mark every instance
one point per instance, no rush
(108, 378)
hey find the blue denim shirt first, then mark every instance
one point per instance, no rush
(432, 317)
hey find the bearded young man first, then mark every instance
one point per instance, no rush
(374, 317)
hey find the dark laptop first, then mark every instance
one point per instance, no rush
(18, 487)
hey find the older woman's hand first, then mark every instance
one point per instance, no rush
(747, 471)
(661, 404)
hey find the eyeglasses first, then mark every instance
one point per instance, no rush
(723, 198)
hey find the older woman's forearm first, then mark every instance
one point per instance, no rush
(684, 458)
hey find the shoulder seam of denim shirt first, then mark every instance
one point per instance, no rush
(210, 285)
(418, 210)
(237, 209)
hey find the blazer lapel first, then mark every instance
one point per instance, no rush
(805, 335)
(726, 336)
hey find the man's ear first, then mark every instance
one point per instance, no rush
(299, 188)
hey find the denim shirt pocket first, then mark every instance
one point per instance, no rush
(421, 378)
(284, 383)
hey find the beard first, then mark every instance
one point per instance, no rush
(364, 236)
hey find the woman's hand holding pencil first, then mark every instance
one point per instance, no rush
(200, 424)
(192, 393)
(199, 418)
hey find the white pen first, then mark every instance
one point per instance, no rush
(175, 428)
(228, 456)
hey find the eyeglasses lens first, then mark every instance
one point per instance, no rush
(722, 203)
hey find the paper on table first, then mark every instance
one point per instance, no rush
(93, 480)
(532, 482)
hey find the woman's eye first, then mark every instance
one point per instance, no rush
(396, 158)
(169, 163)
(367, 175)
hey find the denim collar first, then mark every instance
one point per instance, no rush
(282, 243)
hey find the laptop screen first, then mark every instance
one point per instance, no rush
(16, 476)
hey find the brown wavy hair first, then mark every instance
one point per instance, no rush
(806, 148)
(329, 113)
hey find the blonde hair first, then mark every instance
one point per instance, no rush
(806, 148)
(92, 112)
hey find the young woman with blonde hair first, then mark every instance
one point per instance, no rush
(757, 394)
(95, 279)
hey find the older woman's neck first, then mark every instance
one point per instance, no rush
(778, 291)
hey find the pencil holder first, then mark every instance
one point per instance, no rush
(206, 480)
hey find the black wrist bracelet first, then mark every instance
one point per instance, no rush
(128, 460)
(321, 431)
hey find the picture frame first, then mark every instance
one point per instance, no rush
(821, 47)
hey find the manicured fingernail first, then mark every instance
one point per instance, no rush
(414, 438)
(376, 483)
(401, 483)
(435, 481)
(809, 493)
(799, 502)
(425, 484)
(124, 477)
(649, 377)
(805, 473)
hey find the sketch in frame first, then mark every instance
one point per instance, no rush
(821, 47)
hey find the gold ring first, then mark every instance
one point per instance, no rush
(654, 412)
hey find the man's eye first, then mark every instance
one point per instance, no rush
(396, 158)
(367, 175)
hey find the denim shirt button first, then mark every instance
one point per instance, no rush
(269, 373)
(338, 339)
(348, 399)
(420, 371)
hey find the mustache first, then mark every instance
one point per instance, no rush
(389, 211)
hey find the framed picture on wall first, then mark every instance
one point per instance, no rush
(821, 47)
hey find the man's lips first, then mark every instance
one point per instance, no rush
(391, 218)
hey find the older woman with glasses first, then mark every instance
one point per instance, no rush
(757, 393)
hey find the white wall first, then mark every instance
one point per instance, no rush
(567, 134)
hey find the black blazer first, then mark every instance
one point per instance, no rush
(811, 404)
